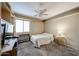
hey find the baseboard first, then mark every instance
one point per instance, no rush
(72, 47)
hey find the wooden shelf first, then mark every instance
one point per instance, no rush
(6, 6)
(6, 11)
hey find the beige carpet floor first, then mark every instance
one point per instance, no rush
(52, 49)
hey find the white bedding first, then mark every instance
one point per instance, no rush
(41, 39)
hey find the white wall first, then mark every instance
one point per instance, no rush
(36, 27)
(68, 25)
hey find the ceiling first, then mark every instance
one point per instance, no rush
(53, 8)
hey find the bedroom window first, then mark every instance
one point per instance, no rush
(22, 26)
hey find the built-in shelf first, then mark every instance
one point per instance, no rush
(6, 12)
(6, 6)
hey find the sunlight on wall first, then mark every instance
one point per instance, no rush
(61, 28)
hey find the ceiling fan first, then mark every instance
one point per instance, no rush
(40, 12)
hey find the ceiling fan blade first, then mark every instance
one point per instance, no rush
(35, 15)
(36, 11)
(43, 11)
(40, 15)
(44, 14)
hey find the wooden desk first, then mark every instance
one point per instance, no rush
(10, 47)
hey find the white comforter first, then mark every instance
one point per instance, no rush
(41, 39)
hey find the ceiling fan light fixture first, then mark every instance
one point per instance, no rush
(40, 12)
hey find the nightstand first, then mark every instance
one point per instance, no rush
(60, 40)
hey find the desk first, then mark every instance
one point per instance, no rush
(9, 47)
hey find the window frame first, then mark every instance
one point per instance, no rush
(22, 26)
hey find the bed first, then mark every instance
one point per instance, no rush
(41, 39)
